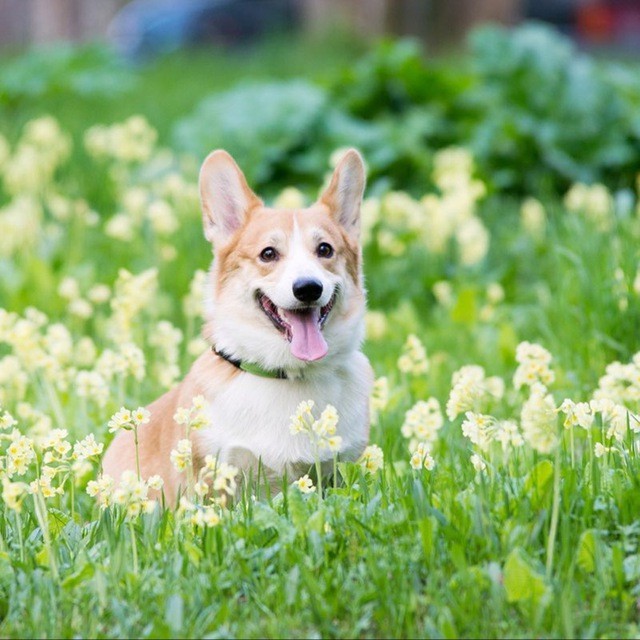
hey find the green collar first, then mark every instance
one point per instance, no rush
(252, 367)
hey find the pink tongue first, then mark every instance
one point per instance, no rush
(307, 342)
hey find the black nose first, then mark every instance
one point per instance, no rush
(307, 289)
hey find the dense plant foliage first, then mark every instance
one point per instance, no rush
(536, 113)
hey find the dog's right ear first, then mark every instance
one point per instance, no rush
(225, 197)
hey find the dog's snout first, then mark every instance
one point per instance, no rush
(307, 289)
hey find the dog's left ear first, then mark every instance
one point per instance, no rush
(225, 197)
(343, 196)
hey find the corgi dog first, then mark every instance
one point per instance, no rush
(285, 307)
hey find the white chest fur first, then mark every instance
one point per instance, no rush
(252, 415)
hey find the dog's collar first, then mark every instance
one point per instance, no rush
(251, 367)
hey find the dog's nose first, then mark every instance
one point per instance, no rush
(307, 289)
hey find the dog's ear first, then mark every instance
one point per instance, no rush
(225, 196)
(343, 196)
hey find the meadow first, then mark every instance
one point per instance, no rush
(500, 494)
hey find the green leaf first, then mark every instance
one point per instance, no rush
(193, 552)
(42, 557)
(465, 309)
(174, 612)
(586, 552)
(521, 581)
(316, 522)
(298, 509)
(539, 482)
(631, 565)
(85, 572)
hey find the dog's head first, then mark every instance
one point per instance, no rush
(286, 284)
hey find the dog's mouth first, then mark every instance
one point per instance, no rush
(301, 327)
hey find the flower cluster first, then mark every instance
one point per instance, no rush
(533, 218)
(181, 455)
(166, 339)
(422, 457)
(438, 220)
(621, 382)
(194, 417)
(413, 358)
(220, 475)
(539, 419)
(216, 483)
(132, 293)
(131, 493)
(193, 302)
(49, 458)
(372, 458)
(304, 484)
(578, 414)
(594, 202)
(129, 142)
(422, 423)
(483, 429)
(129, 420)
(471, 390)
(42, 148)
(197, 514)
(321, 431)
(379, 397)
(534, 361)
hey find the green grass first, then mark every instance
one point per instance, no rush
(168, 88)
(539, 544)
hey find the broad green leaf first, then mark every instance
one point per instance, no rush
(538, 483)
(521, 581)
(298, 509)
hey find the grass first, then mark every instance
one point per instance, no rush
(167, 88)
(537, 544)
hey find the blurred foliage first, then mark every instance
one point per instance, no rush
(536, 113)
(545, 114)
(88, 71)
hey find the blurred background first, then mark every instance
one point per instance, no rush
(145, 27)
(543, 93)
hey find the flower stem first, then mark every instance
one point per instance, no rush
(319, 477)
(555, 513)
(20, 538)
(573, 458)
(134, 547)
(43, 521)
(73, 497)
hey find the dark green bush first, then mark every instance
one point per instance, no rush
(537, 114)
(545, 115)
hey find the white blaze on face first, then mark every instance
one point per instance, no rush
(300, 262)
(307, 341)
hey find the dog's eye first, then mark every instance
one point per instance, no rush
(324, 250)
(268, 254)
